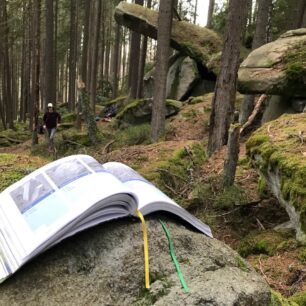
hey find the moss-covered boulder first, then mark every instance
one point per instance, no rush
(197, 42)
(278, 151)
(139, 111)
(276, 68)
(116, 104)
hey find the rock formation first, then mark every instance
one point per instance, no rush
(199, 43)
(104, 266)
(277, 68)
(278, 151)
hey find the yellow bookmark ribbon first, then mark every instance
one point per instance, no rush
(145, 248)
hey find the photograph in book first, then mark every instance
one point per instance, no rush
(70, 195)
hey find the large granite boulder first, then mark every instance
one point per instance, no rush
(278, 151)
(140, 111)
(105, 266)
(199, 43)
(184, 77)
(277, 68)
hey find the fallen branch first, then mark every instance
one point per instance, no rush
(260, 225)
(11, 139)
(105, 149)
(258, 104)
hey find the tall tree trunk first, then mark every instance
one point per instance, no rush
(225, 92)
(116, 61)
(7, 68)
(260, 38)
(85, 41)
(50, 81)
(72, 54)
(301, 12)
(163, 53)
(134, 60)
(195, 12)
(142, 61)
(107, 51)
(94, 57)
(35, 69)
(210, 13)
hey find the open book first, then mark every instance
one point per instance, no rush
(68, 196)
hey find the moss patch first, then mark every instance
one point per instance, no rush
(14, 167)
(295, 65)
(278, 300)
(267, 242)
(299, 298)
(281, 145)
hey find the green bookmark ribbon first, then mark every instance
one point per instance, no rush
(172, 253)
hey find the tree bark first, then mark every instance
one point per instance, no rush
(72, 54)
(225, 92)
(210, 13)
(35, 69)
(163, 53)
(116, 61)
(231, 159)
(134, 60)
(50, 82)
(142, 61)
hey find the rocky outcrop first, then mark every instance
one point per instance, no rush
(278, 151)
(184, 78)
(199, 43)
(140, 111)
(104, 266)
(277, 68)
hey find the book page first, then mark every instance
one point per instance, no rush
(44, 202)
(152, 199)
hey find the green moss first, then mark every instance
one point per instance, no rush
(278, 300)
(267, 242)
(16, 167)
(230, 197)
(295, 63)
(119, 100)
(242, 264)
(262, 187)
(195, 100)
(282, 151)
(302, 254)
(299, 298)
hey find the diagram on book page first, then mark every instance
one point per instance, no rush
(38, 202)
(67, 172)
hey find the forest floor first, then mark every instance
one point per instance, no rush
(246, 227)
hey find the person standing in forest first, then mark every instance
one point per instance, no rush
(52, 120)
